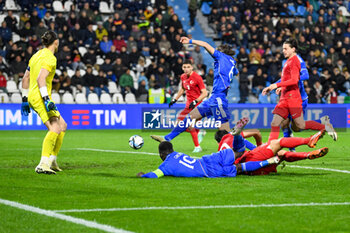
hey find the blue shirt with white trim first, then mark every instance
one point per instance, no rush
(224, 70)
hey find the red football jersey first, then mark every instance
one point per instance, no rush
(193, 86)
(226, 142)
(290, 78)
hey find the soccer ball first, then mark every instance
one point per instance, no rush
(136, 142)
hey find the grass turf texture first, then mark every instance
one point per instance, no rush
(93, 179)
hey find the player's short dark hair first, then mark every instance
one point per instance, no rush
(226, 49)
(219, 134)
(187, 61)
(164, 149)
(48, 38)
(293, 43)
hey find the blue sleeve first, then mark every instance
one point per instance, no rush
(249, 145)
(155, 174)
(216, 55)
(304, 74)
(279, 80)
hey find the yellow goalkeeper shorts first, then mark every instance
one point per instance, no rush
(39, 107)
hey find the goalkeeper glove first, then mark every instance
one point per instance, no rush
(173, 101)
(25, 109)
(49, 105)
(193, 104)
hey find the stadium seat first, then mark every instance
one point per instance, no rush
(11, 86)
(341, 99)
(143, 98)
(344, 11)
(15, 37)
(70, 72)
(82, 72)
(106, 98)
(130, 98)
(10, 5)
(57, 6)
(292, 10)
(93, 98)
(56, 98)
(67, 5)
(16, 98)
(112, 87)
(118, 98)
(20, 86)
(301, 10)
(82, 50)
(67, 98)
(80, 98)
(99, 61)
(94, 72)
(104, 8)
(58, 72)
(4, 98)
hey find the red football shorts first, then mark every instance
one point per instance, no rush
(289, 106)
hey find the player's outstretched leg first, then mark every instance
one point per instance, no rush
(294, 142)
(158, 138)
(314, 139)
(255, 165)
(329, 127)
(317, 153)
(240, 126)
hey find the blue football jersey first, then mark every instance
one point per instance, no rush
(224, 70)
(179, 164)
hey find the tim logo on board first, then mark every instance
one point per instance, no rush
(151, 120)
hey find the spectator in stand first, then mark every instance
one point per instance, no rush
(89, 58)
(65, 82)
(77, 60)
(100, 31)
(243, 85)
(142, 91)
(91, 82)
(131, 43)
(18, 67)
(5, 32)
(242, 58)
(90, 35)
(3, 66)
(258, 82)
(124, 55)
(40, 29)
(77, 81)
(105, 45)
(112, 54)
(107, 69)
(102, 82)
(72, 20)
(34, 19)
(3, 82)
(64, 57)
(126, 83)
(119, 69)
(84, 20)
(197, 56)
(78, 34)
(164, 43)
(11, 21)
(134, 56)
(60, 20)
(119, 42)
(162, 77)
(209, 79)
(48, 19)
(331, 96)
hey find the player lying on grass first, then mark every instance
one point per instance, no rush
(263, 152)
(220, 164)
(225, 139)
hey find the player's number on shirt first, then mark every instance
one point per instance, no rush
(230, 75)
(187, 161)
(188, 87)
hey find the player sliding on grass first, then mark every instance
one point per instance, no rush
(36, 92)
(238, 144)
(290, 101)
(193, 85)
(217, 105)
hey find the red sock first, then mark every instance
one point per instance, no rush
(194, 134)
(275, 132)
(295, 156)
(314, 125)
(293, 142)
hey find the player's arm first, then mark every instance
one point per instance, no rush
(293, 81)
(203, 44)
(25, 109)
(178, 95)
(155, 174)
(255, 133)
(43, 74)
(203, 94)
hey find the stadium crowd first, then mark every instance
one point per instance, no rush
(137, 47)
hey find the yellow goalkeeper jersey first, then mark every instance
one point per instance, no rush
(45, 59)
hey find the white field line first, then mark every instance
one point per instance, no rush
(205, 207)
(320, 168)
(52, 214)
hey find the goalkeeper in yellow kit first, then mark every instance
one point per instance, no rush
(36, 94)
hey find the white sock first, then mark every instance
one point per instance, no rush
(53, 158)
(45, 160)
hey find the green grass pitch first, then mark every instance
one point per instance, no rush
(107, 179)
